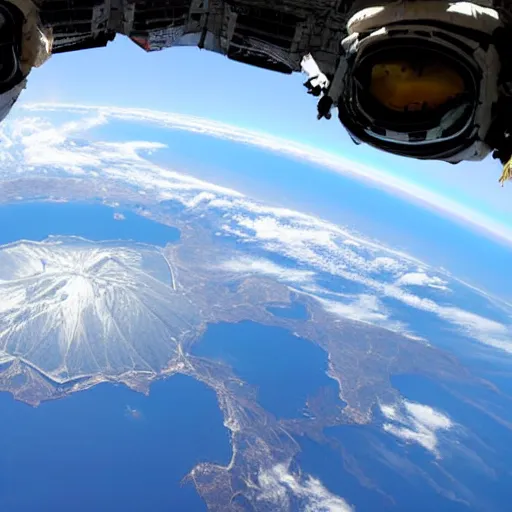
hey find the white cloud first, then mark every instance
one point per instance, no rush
(364, 308)
(361, 308)
(46, 146)
(483, 329)
(265, 267)
(421, 279)
(277, 482)
(330, 161)
(41, 145)
(387, 264)
(319, 247)
(416, 423)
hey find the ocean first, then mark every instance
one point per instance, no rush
(371, 469)
(110, 448)
(38, 220)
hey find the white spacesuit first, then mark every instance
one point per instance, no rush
(425, 79)
(24, 44)
(419, 80)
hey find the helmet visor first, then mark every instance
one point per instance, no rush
(407, 86)
(413, 90)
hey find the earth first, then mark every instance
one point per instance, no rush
(349, 373)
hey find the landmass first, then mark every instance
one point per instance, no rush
(76, 313)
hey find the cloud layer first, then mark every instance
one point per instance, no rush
(278, 483)
(422, 279)
(329, 161)
(416, 423)
(352, 276)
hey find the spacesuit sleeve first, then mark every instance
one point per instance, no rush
(36, 40)
(34, 49)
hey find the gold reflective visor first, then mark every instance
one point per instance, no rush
(404, 87)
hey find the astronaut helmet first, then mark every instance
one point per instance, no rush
(421, 78)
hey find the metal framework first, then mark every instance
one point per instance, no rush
(271, 34)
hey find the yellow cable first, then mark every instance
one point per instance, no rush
(507, 172)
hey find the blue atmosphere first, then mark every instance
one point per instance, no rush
(374, 212)
(345, 201)
(269, 102)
